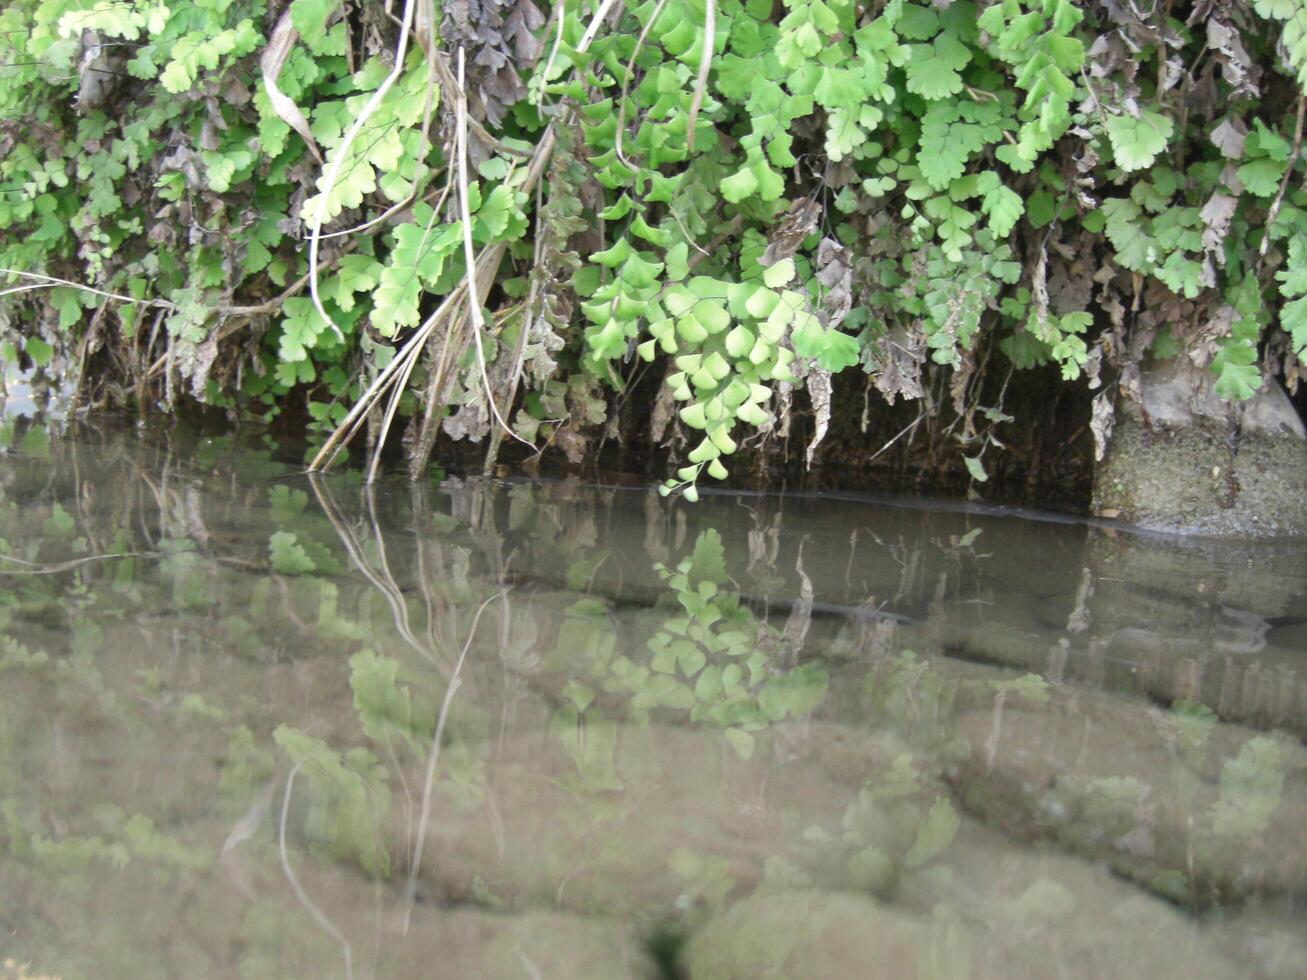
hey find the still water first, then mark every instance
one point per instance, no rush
(254, 724)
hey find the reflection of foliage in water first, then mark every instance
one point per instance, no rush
(706, 662)
(1251, 787)
(678, 649)
(100, 566)
(899, 820)
(1195, 830)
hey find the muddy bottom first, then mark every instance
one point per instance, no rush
(257, 725)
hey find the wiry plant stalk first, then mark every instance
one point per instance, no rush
(394, 377)
(561, 10)
(519, 349)
(342, 151)
(441, 383)
(382, 383)
(626, 82)
(433, 758)
(475, 316)
(49, 282)
(705, 63)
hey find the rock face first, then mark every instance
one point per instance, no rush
(245, 920)
(1183, 460)
(1192, 809)
(810, 934)
(1021, 925)
(629, 820)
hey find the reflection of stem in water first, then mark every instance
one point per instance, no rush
(995, 730)
(1079, 619)
(530, 967)
(286, 609)
(244, 829)
(37, 568)
(433, 760)
(382, 560)
(795, 632)
(249, 822)
(383, 583)
(323, 922)
(424, 577)
(403, 782)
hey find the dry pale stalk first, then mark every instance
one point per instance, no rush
(338, 160)
(400, 366)
(705, 63)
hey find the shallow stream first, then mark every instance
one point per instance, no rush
(261, 725)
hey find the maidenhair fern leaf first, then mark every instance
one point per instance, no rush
(1235, 366)
(1003, 206)
(417, 258)
(1137, 141)
(301, 325)
(934, 71)
(1293, 37)
(1293, 287)
(310, 19)
(354, 274)
(1134, 248)
(946, 144)
(1293, 319)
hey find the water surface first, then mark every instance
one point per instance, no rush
(254, 724)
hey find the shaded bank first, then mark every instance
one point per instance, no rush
(1184, 460)
(862, 237)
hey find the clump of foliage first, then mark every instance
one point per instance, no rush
(711, 659)
(267, 203)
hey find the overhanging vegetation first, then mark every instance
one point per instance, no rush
(262, 205)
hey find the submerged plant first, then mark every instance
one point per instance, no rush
(711, 660)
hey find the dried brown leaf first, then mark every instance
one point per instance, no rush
(836, 276)
(1237, 66)
(1217, 214)
(790, 232)
(271, 62)
(1229, 136)
(896, 365)
(819, 393)
(1092, 368)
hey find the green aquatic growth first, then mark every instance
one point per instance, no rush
(1197, 840)
(1250, 792)
(711, 660)
(1251, 788)
(383, 704)
(1032, 687)
(262, 203)
(899, 822)
(1104, 809)
(882, 821)
(14, 654)
(246, 766)
(287, 556)
(349, 798)
(909, 695)
(708, 879)
(118, 840)
(896, 824)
